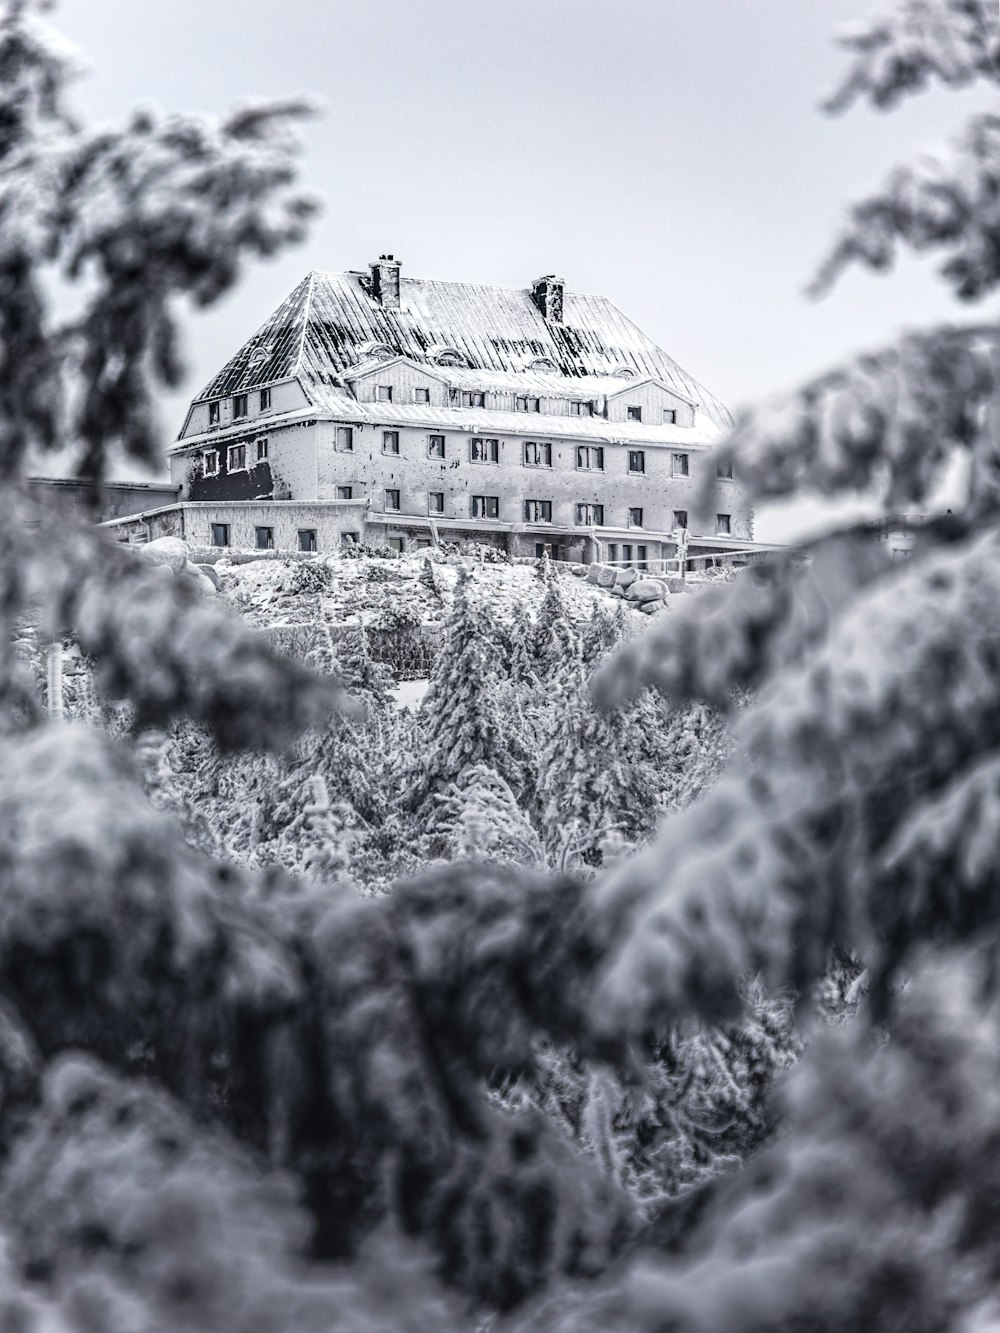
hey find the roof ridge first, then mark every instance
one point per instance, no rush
(296, 366)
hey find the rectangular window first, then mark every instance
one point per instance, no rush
(345, 439)
(640, 556)
(307, 539)
(396, 544)
(612, 552)
(390, 441)
(383, 393)
(265, 399)
(236, 458)
(473, 398)
(527, 404)
(211, 461)
(435, 446)
(486, 506)
(670, 416)
(214, 413)
(637, 460)
(484, 451)
(345, 492)
(392, 502)
(262, 449)
(537, 455)
(264, 539)
(220, 534)
(421, 395)
(723, 525)
(590, 458)
(680, 518)
(578, 409)
(538, 511)
(627, 553)
(679, 465)
(635, 518)
(435, 502)
(724, 469)
(349, 538)
(239, 405)
(634, 413)
(589, 515)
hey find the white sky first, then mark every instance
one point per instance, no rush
(665, 153)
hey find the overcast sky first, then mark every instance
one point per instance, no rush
(665, 153)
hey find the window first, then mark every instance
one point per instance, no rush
(383, 393)
(262, 449)
(589, 515)
(473, 399)
(264, 539)
(590, 458)
(265, 399)
(634, 413)
(640, 556)
(612, 552)
(627, 553)
(435, 502)
(678, 465)
(680, 518)
(635, 518)
(220, 534)
(307, 539)
(390, 441)
(637, 460)
(724, 469)
(392, 502)
(485, 451)
(214, 413)
(435, 446)
(395, 544)
(421, 395)
(670, 416)
(349, 538)
(486, 506)
(345, 439)
(345, 492)
(537, 455)
(239, 405)
(211, 461)
(723, 525)
(528, 404)
(236, 458)
(538, 511)
(581, 409)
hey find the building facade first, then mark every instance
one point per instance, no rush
(378, 408)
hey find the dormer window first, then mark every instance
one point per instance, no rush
(634, 413)
(421, 395)
(544, 364)
(473, 398)
(383, 393)
(670, 416)
(448, 356)
(527, 404)
(580, 409)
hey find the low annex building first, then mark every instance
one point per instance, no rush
(401, 411)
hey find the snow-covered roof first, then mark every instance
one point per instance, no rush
(331, 322)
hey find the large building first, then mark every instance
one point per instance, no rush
(401, 411)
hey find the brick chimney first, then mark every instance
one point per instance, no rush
(547, 294)
(385, 281)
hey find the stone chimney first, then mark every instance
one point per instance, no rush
(547, 294)
(385, 281)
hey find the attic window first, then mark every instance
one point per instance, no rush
(528, 404)
(581, 409)
(449, 356)
(634, 413)
(376, 351)
(265, 399)
(214, 412)
(384, 393)
(421, 395)
(623, 373)
(473, 398)
(239, 405)
(543, 363)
